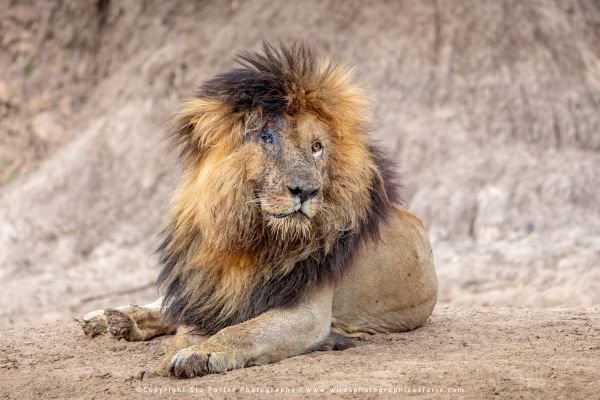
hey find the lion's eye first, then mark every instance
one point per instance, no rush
(266, 137)
(317, 148)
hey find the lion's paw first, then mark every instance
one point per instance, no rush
(94, 323)
(200, 360)
(120, 325)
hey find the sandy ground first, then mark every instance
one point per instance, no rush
(472, 353)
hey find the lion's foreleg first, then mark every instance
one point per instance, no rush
(272, 336)
(130, 322)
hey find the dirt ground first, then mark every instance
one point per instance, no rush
(479, 353)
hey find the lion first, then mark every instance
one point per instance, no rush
(286, 234)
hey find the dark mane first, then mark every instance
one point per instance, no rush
(264, 80)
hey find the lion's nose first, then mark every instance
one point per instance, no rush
(304, 193)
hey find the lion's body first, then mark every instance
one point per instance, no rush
(284, 228)
(392, 285)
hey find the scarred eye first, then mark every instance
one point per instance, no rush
(317, 148)
(266, 137)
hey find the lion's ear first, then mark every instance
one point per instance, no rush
(203, 123)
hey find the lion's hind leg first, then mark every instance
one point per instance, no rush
(130, 322)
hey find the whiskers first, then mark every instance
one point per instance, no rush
(255, 200)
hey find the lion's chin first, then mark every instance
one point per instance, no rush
(294, 225)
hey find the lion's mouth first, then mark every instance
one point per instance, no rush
(293, 213)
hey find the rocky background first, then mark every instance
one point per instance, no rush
(490, 108)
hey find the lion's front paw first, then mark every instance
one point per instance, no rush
(200, 360)
(94, 323)
(118, 323)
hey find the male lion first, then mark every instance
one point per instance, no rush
(284, 234)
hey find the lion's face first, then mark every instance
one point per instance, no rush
(293, 154)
